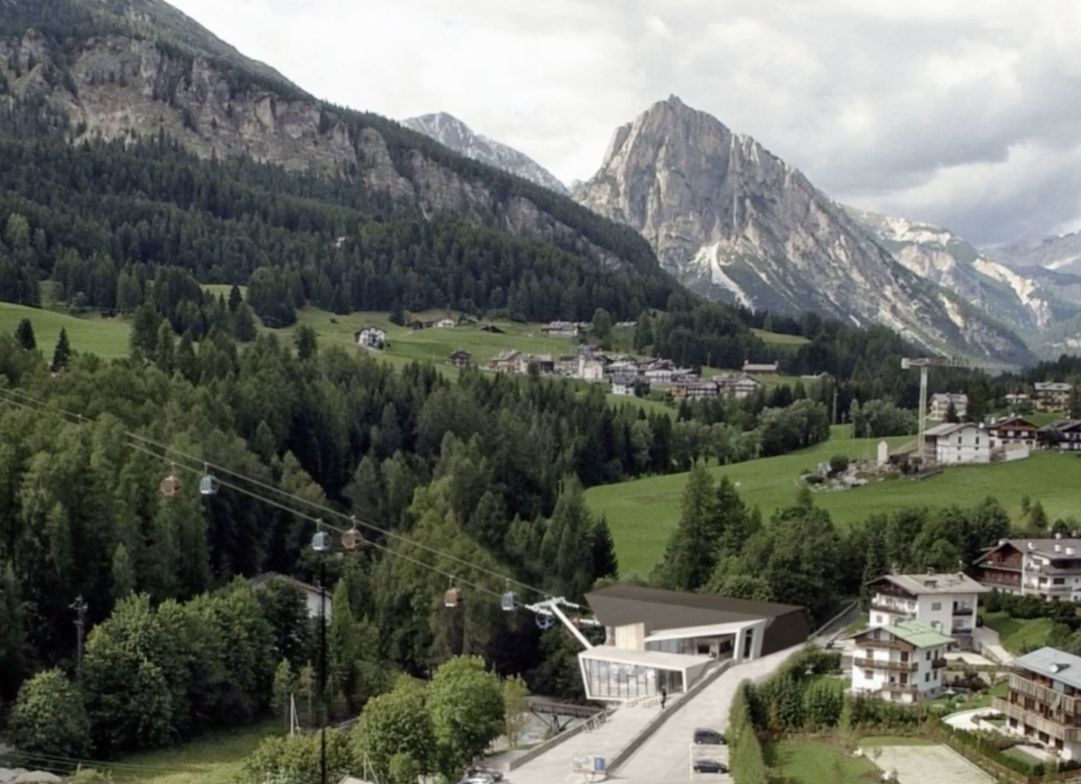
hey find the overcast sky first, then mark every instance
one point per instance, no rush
(962, 113)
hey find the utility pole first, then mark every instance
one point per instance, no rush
(323, 670)
(80, 607)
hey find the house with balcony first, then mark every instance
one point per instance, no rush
(1064, 435)
(901, 662)
(1043, 703)
(656, 638)
(1048, 568)
(947, 603)
(1051, 396)
(959, 443)
(1011, 430)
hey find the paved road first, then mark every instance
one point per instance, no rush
(665, 757)
(929, 765)
(967, 720)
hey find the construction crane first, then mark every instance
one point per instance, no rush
(924, 363)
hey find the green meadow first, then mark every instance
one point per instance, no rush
(643, 512)
(90, 334)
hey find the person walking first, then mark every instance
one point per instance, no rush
(664, 696)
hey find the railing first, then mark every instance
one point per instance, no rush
(938, 664)
(884, 664)
(1027, 688)
(1039, 723)
(896, 609)
(893, 645)
(963, 610)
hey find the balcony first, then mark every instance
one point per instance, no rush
(890, 645)
(1033, 719)
(1026, 688)
(884, 664)
(963, 610)
(938, 664)
(895, 609)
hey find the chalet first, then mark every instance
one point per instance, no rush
(624, 384)
(946, 602)
(658, 639)
(738, 385)
(1048, 568)
(1043, 701)
(940, 405)
(1064, 435)
(560, 329)
(900, 662)
(1016, 400)
(460, 359)
(371, 337)
(701, 389)
(760, 368)
(1051, 396)
(956, 444)
(508, 361)
(444, 323)
(543, 363)
(1011, 430)
(567, 365)
(622, 367)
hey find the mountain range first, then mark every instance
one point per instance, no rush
(712, 208)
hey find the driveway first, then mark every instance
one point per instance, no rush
(665, 757)
(967, 720)
(987, 642)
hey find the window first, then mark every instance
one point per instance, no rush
(926, 677)
(869, 674)
(1058, 580)
(936, 606)
(928, 656)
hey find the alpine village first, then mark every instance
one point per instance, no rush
(341, 448)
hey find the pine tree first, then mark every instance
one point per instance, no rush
(306, 341)
(243, 323)
(235, 299)
(123, 577)
(24, 335)
(62, 352)
(604, 551)
(691, 553)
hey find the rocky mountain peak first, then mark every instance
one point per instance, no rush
(736, 223)
(451, 132)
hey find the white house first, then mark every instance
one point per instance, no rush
(444, 323)
(590, 369)
(624, 384)
(656, 638)
(371, 337)
(945, 602)
(957, 444)
(901, 662)
(940, 405)
(1047, 568)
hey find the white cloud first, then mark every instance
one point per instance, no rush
(959, 113)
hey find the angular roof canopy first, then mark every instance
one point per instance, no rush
(913, 632)
(1053, 663)
(658, 609)
(919, 584)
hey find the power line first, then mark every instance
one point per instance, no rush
(42, 760)
(80, 419)
(320, 521)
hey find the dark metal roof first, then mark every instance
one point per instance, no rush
(658, 609)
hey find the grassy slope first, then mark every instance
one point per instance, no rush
(814, 761)
(1019, 634)
(215, 759)
(779, 339)
(106, 337)
(642, 513)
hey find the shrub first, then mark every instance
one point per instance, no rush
(49, 717)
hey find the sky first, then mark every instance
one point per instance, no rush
(963, 114)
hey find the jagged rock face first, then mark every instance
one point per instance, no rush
(736, 223)
(1058, 253)
(119, 87)
(455, 134)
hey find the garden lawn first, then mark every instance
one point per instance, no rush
(642, 513)
(92, 334)
(213, 759)
(1018, 635)
(815, 761)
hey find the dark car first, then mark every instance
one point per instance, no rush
(709, 766)
(706, 736)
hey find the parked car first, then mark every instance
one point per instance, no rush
(706, 765)
(494, 775)
(706, 736)
(477, 778)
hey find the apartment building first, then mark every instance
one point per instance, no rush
(902, 662)
(940, 405)
(1051, 396)
(945, 602)
(1043, 703)
(1048, 568)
